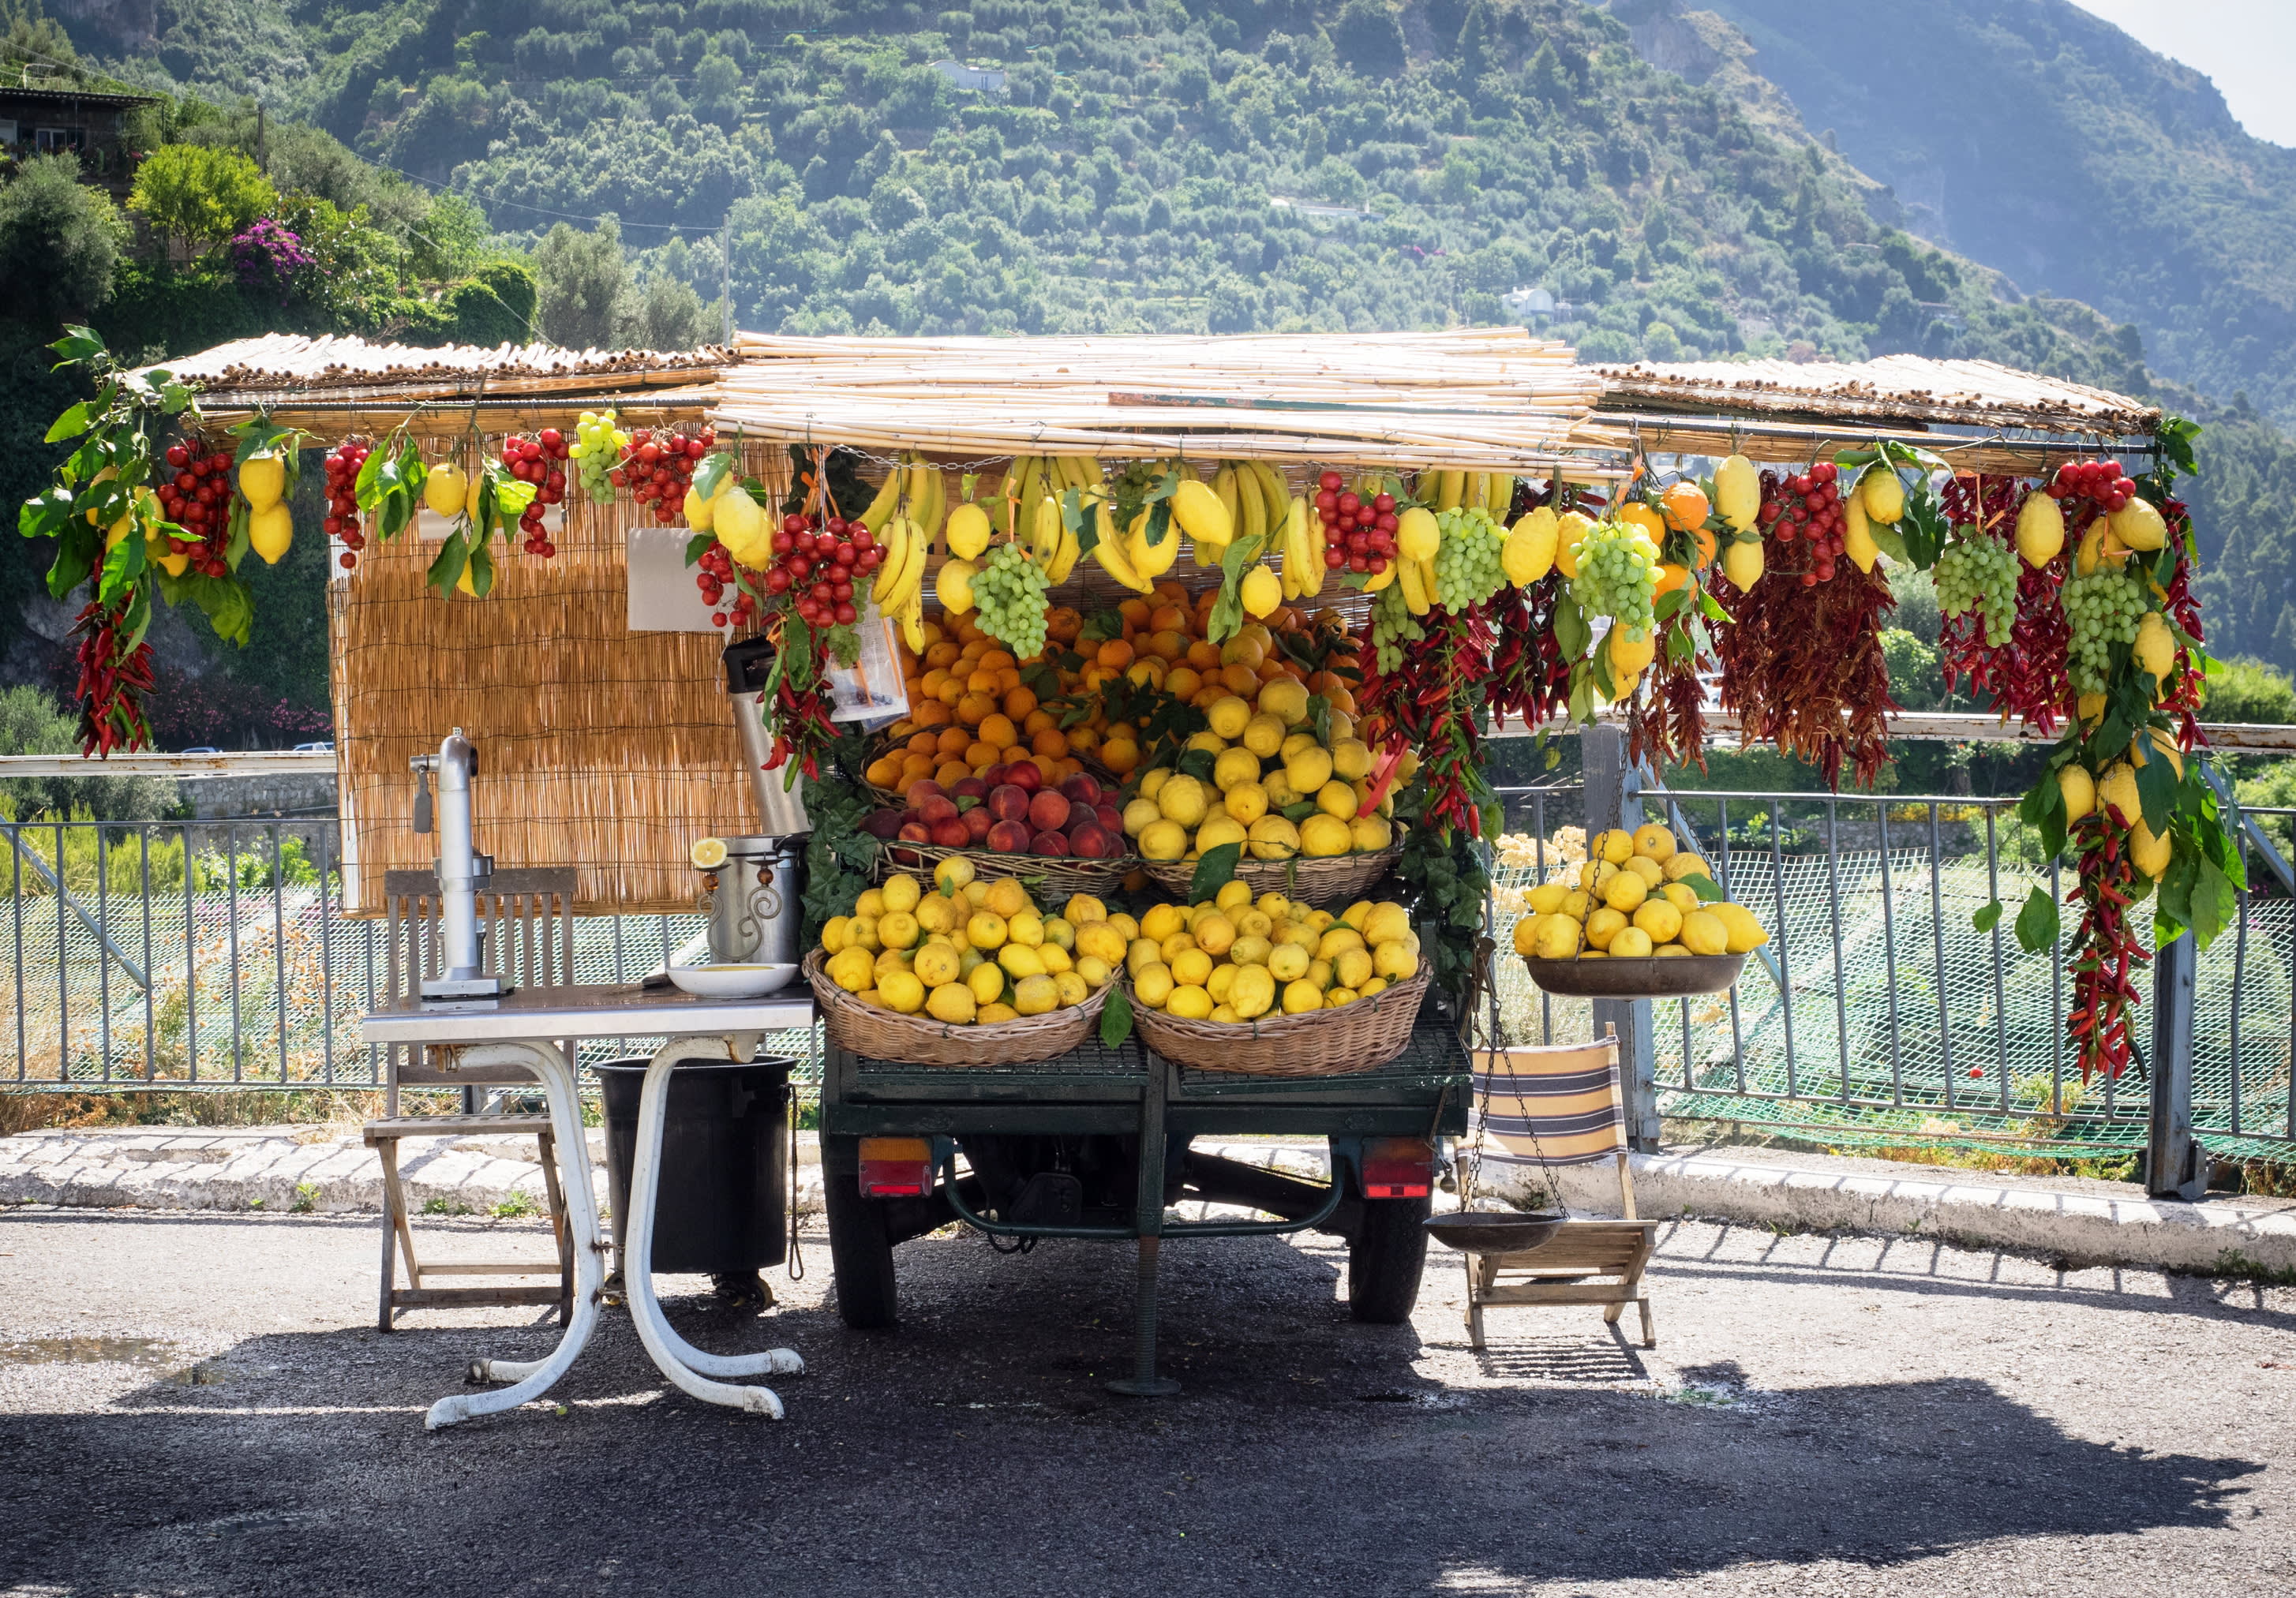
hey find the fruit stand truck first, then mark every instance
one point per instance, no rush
(1098, 1143)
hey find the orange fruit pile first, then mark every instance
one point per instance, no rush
(970, 710)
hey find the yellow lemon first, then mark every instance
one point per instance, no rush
(1680, 897)
(871, 904)
(1351, 966)
(1071, 988)
(852, 970)
(1632, 943)
(897, 930)
(1397, 961)
(1308, 769)
(1183, 799)
(1322, 836)
(1683, 864)
(1228, 715)
(936, 914)
(1221, 982)
(987, 981)
(1162, 840)
(1300, 996)
(1382, 922)
(1602, 926)
(1336, 798)
(1190, 1003)
(952, 874)
(1246, 802)
(1139, 816)
(1615, 846)
(902, 892)
(834, 933)
(1548, 898)
(1220, 829)
(1626, 892)
(1019, 960)
(1192, 968)
(1703, 933)
(1660, 920)
(901, 990)
(1526, 933)
(1153, 983)
(1094, 971)
(996, 1014)
(1288, 962)
(1272, 838)
(953, 1003)
(1352, 758)
(1373, 988)
(1253, 991)
(1654, 841)
(1745, 933)
(1263, 735)
(1649, 870)
(1249, 949)
(1233, 895)
(1162, 920)
(1285, 699)
(1034, 996)
(1153, 783)
(938, 963)
(1026, 928)
(1007, 898)
(1215, 933)
(1370, 833)
(1211, 743)
(1338, 941)
(1280, 791)
(1557, 938)
(1234, 766)
(985, 931)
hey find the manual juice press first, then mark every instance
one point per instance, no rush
(462, 872)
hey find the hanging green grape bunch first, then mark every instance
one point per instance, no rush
(2101, 610)
(1978, 573)
(1009, 591)
(1467, 568)
(1618, 575)
(1391, 621)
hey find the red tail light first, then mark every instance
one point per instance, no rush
(1398, 1167)
(897, 1167)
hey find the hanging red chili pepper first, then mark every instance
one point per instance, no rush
(113, 679)
(2105, 986)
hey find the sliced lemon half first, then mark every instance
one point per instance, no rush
(708, 854)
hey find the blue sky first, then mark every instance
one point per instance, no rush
(2248, 46)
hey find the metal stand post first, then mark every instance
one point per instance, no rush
(2176, 1165)
(1143, 1383)
(1614, 799)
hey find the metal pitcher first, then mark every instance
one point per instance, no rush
(753, 902)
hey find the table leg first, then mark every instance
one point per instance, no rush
(531, 1379)
(685, 1364)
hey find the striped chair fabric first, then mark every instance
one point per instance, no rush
(1561, 1105)
(1550, 1106)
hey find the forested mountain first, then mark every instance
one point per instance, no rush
(1646, 169)
(2033, 136)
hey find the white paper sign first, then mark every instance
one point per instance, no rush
(664, 597)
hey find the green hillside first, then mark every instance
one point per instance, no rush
(2035, 137)
(1167, 165)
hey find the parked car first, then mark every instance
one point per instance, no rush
(324, 746)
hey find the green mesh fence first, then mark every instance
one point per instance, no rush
(1882, 1017)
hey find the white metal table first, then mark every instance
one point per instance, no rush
(524, 1028)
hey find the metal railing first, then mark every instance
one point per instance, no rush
(1878, 1014)
(216, 955)
(179, 954)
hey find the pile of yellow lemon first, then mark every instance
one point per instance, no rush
(1275, 788)
(1631, 902)
(1236, 958)
(971, 951)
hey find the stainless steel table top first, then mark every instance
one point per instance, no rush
(589, 1010)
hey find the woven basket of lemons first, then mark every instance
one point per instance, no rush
(965, 971)
(1289, 786)
(1639, 919)
(1268, 986)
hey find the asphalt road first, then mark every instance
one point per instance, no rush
(197, 1405)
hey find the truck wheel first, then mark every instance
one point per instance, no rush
(1386, 1260)
(860, 1254)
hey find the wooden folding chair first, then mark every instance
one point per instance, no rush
(527, 927)
(1555, 1106)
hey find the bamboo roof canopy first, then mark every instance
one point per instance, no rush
(1480, 397)
(1895, 388)
(285, 372)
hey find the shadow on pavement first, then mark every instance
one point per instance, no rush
(975, 1451)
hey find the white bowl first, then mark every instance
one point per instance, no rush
(732, 982)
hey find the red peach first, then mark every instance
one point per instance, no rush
(968, 787)
(1023, 774)
(977, 822)
(920, 790)
(952, 834)
(938, 809)
(1049, 844)
(1008, 838)
(1111, 820)
(1086, 842)
(1008, 802)
(1082, 788)
(1049, 810)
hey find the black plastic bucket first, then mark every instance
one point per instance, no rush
(721, 1204)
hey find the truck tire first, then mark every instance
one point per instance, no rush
(1386, 1260)
(860, 1252)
